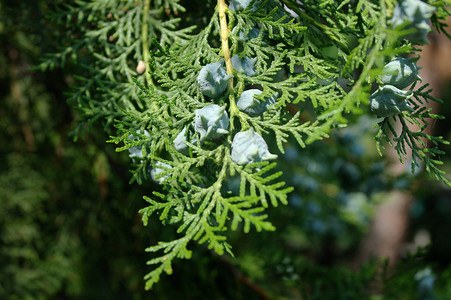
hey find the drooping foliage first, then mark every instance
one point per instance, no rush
(315, 63)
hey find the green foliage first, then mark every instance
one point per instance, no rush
(414, 141)
(58, 213)
(109, 38)
(319, 58)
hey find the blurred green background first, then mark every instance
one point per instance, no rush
(70, 228)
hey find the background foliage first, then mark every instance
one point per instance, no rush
(69, 226)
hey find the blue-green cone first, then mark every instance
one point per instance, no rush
(158, 168)
(137, 151)
(179, 141)
(248, 147)
(244, 65)
(400, 72)
(389, 101)
(211, 122)
(252, 106)
(213, 79)
(237, 5)
(413, 14)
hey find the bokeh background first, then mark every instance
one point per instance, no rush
(70, 228)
